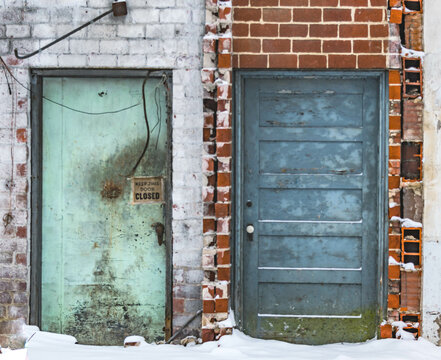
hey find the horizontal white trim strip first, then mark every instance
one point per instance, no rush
(312, 316)
(297, 268)
(312, 221)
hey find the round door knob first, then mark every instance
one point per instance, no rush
(250, 229)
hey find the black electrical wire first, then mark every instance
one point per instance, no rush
(65, 106)
(147, 126)
(6, 77)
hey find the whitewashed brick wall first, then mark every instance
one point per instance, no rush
(156, 34)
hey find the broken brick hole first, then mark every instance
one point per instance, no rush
(411, 161)
(411, 246)
(412, 6)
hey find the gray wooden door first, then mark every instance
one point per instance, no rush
(310, 189)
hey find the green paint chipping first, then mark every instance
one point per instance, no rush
(317, 331)
(103, 273)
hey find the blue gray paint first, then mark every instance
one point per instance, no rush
(309, 148)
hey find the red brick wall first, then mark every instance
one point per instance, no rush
(305, 34)
(310, 34)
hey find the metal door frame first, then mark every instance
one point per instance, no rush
(37, 76)
(238, 150)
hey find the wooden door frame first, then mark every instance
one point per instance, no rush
(37, 76)
(240, 77)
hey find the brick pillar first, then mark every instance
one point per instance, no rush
(216, 78)
(13, 208)
(405, 182)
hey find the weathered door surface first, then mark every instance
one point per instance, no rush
(310, 190)
(103, 271)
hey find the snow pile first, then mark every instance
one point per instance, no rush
(405, 266)
(413, 54)
(47, 346)
(408, 223)
(134, 340)
(20, 354)
(230, 322)
(401, 333)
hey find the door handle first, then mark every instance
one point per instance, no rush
(250, 232)
(159, 228)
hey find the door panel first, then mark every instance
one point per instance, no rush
(310, 170)
(103, 272)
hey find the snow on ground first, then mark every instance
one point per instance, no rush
(47, 346)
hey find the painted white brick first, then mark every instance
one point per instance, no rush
(185, 195)
(188, 105)
(82, 15)
(189, 31)
(182, 163)
(43, 59)
(160, 61)
(187, 179)
(165, 3)
(144, 16)
(72, 60)
(18, 31)
(20, 217)
(191, 135)
(114, 46)
(139, 3)
(5, 136)
(185, 121)
(2, 31)
(191, 258)
(187, 211)
(59, 3)
(4, 47)
(84, 46)
(191, 228)
(132, 61)
(175, 16)
(99, 3)
(101, 31)
(35, 16)
(173, 43)
(102, 60)
(63, 29)
(143, 46)
(189, 141)
(44, 31)
(20, 153)
(21, 120)
(160, 31)
(59, 48)
(169, 47)
(5, 105)
(11, 16)
(131, 31)
(188, 61)
(60, 15)
(198, 16)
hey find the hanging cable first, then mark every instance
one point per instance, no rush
(6, 77)
(147, 126)
(62, 105)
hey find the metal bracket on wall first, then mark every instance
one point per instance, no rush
(119, 8)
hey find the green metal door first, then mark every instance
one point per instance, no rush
(103, 269)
